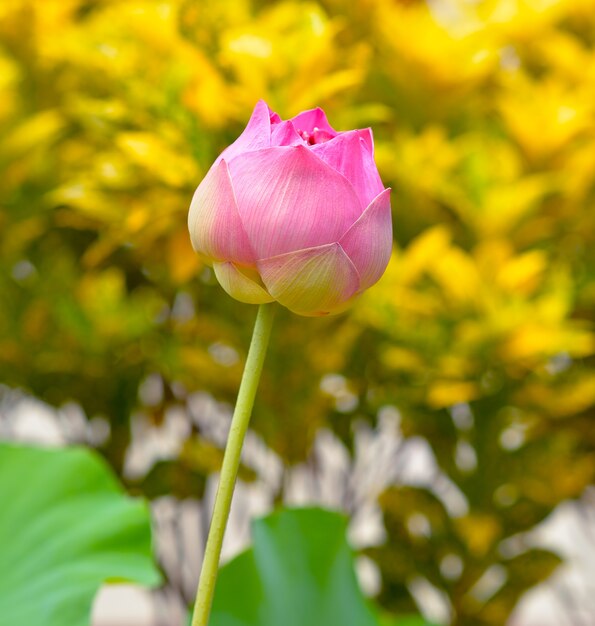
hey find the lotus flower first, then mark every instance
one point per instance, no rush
(294, 211)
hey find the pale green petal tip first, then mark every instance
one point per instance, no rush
(336, 310)
(312, 282)
(240, 286)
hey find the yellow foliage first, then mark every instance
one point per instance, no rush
(544, 116)
(446, 393)
(38, 130)
(438, 47)
(183, 264)
(562, 401)
(422, 253)
(522, 273)
(162, 161)
(478, 532)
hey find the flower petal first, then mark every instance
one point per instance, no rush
(308, 121)
(239, 286)
(256, 135)
(284, 134)
(316, 281)
(368, 243)
(350, 153)
(289, 199)
(216, 230)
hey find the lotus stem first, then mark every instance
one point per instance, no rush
(231, 463)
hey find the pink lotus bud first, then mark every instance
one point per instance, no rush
(294, 211)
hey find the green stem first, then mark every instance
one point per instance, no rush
(231, 463)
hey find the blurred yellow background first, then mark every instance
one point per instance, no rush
(483, 113)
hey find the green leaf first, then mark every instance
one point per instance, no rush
(299, 573)
(66, 527)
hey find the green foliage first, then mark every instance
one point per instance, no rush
(426, 545)
(410, 620)
(299, 571)
(480, 333)
(66, 528)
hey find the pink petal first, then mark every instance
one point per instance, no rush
(366, 135)
(368, 243)
(350, 154)
(256, 135)
(216, 230)
(239, 285)
(316, 281)
(284, 134)
(308, 121)
(289, 199)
